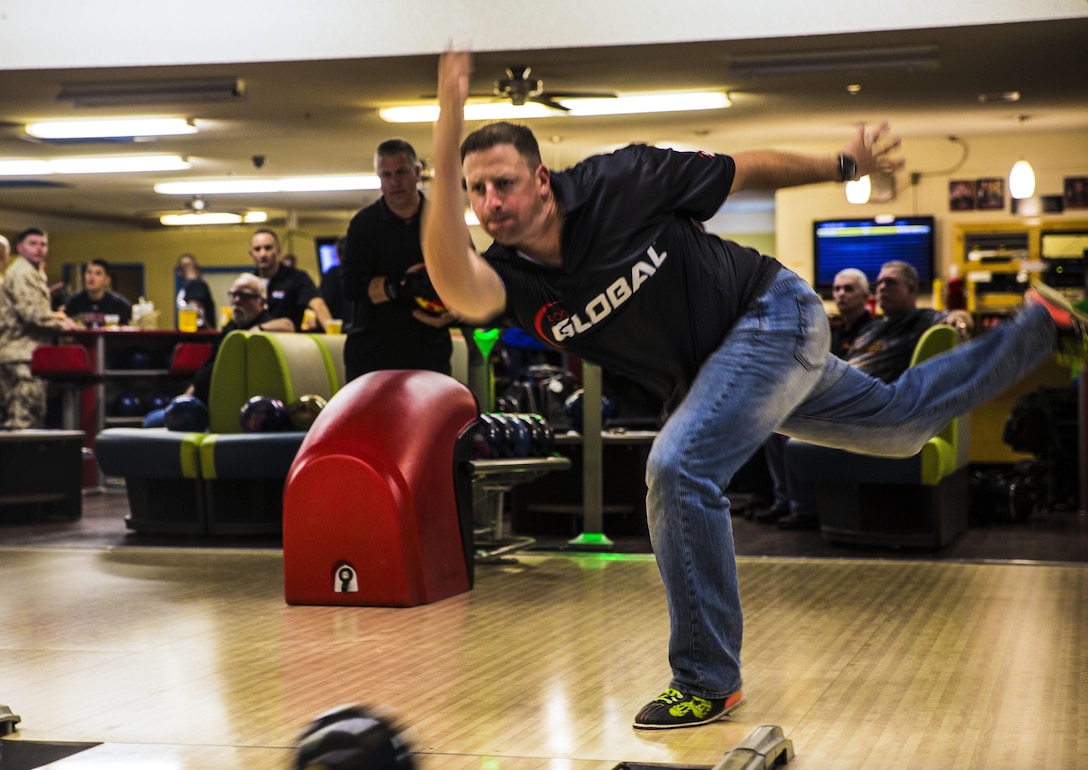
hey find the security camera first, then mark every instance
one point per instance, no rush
(258, 161)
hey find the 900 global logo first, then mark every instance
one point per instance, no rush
(555, 324)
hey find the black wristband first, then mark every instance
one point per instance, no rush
(392, 289)
(848, 168)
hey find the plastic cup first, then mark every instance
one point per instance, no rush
(187, 319)
(334, 326)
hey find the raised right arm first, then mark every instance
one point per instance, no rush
(467, 284)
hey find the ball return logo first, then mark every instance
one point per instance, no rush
(555, 324)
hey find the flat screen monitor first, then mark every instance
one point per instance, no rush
(327, 255)
(868, 243)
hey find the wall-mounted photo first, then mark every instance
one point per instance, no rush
(990, 194)
(1076, 192)
(961, 195)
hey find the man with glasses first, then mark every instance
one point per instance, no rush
(248, 310)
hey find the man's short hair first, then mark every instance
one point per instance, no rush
(29, 232)
(275, 238)
(102, 264)
(395, 147)
(854, 275)
(503, 132)
(906, 270)
(258, 285)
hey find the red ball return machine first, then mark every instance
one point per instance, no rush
(378, 505)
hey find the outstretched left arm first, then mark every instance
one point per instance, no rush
(771, 170)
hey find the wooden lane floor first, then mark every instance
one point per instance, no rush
(176, 658)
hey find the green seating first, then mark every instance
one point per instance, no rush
(918, 501)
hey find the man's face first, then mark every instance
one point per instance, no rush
(245, 303)
(34, 248)
(95, 278)
(506, 195)
(265, 252)
(399, 177)
(892, 293)
(848, 296)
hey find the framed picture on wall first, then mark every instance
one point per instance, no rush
(961, 195)
(990, 193)
(1076, 192)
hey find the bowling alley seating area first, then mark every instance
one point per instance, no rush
(224, 480)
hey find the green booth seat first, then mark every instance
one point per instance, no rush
(917, 501)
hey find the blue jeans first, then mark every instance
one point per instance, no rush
(773, 373)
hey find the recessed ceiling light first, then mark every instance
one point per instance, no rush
(999, 96)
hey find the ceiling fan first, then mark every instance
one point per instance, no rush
(520, 88)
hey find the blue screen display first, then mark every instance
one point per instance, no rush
(327, 255)
(866, 244)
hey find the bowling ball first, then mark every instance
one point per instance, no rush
(432, 306)
(481, 448)
(129, 405)
(353, 738)
(523, 435)
(139, 358)
(186, 413)
(302, 412)
(506, 433)
(573, 409)
(264, 414)
(493, 434)
(157, 401)
(544, 443)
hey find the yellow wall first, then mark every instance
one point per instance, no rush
(158, 250)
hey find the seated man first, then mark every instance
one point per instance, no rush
(884, 349)
(249, 310)
(95, 300)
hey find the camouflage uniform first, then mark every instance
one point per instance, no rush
(26, 321)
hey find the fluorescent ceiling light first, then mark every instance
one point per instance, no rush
(93, 165)
(213, 218)
(152, 92)
(916, 57)
(110, 128)
(630, 104)
(119, 164)
(24, 168)
(330, 183)
(636, 104)
(345, 182)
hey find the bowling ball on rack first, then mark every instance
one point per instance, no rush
(493, 434)
(523, 434)
(264, 414)
(353, 738)
(157, 401)
(186, 413)
(481, 447)
(139, 358)
(302, 412)
(544, 442)
(573, 408)
(128, 405)
(506, 433)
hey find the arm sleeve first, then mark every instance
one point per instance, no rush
(356, 271)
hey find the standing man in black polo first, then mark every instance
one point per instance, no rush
(381, 268)
(291, 292)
